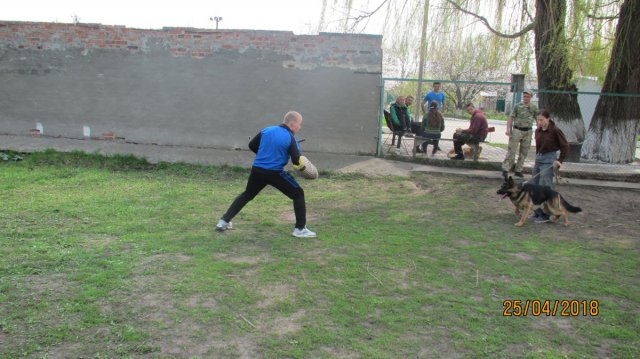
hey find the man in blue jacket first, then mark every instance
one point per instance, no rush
(273, 146)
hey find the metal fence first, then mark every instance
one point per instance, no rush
(493, 97)
(496, 99)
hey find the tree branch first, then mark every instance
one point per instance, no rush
(365, 15)
(589, 16)
(526, 10)
(484, 21)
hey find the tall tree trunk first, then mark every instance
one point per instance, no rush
(423, 55)
(616, 120)
(554, 72)
(459, 97)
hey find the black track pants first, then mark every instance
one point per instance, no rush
(283, 181)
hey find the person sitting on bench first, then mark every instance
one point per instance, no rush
(476, 132)
(399, 115)
(431, 128)
(408, 102)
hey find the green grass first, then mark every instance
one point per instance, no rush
(115, 257)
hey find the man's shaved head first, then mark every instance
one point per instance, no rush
(292, 116)
(293, 120)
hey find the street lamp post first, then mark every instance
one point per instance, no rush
(217, 19)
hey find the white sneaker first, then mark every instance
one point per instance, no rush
(223, 225)
(303, 233)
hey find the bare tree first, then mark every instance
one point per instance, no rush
(466, 61)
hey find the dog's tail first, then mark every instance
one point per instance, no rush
(569, 207)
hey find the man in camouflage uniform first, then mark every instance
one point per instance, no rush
(522, 118)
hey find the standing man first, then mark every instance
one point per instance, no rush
(434, 95)
(522, 118)
(273, 146)
(476, 132)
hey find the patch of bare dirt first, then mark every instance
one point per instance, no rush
(51, 289)
(377, 167)
(603, 349)
(53, 285)
(320, 255)
(400, 277)
(228, 257)
(339, 352)
(290, 217)
(63, 350)
(503, 279)
(516, 350)
(97, 240)
(274, 293)
(4, 339)
(609, 215)
(156, 311)
(522, 256)
(416, 189)
(159, 258)
(439, 346)
(551, 323)
(282, 326)
(464, 242)
(197, 301)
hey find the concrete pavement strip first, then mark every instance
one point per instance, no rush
(367, 165)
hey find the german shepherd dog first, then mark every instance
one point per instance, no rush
(526, 196)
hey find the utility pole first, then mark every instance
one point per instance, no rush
(423, 55)
(217, 19)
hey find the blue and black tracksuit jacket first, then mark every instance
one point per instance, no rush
(273, 146)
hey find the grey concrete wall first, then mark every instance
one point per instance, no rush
(189, 87)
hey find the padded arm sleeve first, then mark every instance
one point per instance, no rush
(254, 144)
(294, 152)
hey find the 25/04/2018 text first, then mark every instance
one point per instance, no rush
(550, 307)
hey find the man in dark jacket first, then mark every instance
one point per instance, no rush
(476, 132)
(273, 146)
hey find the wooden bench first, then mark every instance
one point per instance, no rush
(418, 140)
(477, 149)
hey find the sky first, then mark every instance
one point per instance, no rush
(299, 16)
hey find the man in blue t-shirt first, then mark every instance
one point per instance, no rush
(434, 95)
(273, 146)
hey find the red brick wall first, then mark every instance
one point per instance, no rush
(184, 86)
(357, 52)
